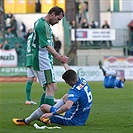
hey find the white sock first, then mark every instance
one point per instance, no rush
(105, 69)
(59, 103)
(34, 116)
(112, 72)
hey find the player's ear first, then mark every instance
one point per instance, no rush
(72, 83)
(53, 14)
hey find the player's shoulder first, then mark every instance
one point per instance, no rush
(39, 23)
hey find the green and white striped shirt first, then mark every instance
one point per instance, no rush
(43, 36)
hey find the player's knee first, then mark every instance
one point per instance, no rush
(42, 107)
(55, 89)
(31, 79)
(51, 86)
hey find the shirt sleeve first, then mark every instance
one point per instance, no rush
(43, 34)
(72, 95)
(122, 85)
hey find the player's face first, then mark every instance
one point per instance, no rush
(70, 83)
(55, 19)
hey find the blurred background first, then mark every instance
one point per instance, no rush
(91, 30)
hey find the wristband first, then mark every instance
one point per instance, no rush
(55, 113)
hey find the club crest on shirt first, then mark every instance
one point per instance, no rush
(80, 86)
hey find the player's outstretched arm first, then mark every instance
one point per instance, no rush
(61, 58)
(66, 66)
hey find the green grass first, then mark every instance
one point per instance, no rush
(111, 111)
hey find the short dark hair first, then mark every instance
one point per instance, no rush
(70, 75)
(57, 10)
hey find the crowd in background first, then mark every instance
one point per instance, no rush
(82, 21)
(9, 38)
(15, 37)
(11, 29)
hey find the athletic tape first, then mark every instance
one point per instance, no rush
(45, 127)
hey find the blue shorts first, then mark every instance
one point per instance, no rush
(109, 81)
(60, 119)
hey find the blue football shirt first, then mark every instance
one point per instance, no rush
(77, 115)
(81, 95)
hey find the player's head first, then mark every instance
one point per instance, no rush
(70, 77)
(55, 15)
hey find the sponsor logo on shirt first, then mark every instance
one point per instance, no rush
(71, 95)
(87, 108)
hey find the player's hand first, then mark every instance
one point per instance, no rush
(47, 115)
(64, 59)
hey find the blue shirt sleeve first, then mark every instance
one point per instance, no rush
(119, 84)
(72, 95)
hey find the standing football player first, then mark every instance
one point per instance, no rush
(30, 71)
(44, 52)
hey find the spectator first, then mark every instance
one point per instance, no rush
(28, 33)
(9, 15)
(14, 26)
(106, 26)
(84, 25)
(18, 51)
(84, 7)
(79, 13)
(1, 21)
(6, 45)
(80, 16)
(130, 25)
(23, 31)
(38, 6)
(92, 24)
(57, 45)
(8, 33)
(8, 20)
(73, 24)
(1, 9)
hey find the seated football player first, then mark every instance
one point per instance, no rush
(111, 79)
(75, 105)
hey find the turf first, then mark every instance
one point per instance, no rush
(111, 111)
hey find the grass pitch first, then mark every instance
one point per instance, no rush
(111, 111)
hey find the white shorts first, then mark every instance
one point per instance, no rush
(45, 76)
(30, 72)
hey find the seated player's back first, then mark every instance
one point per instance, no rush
(82, 97)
